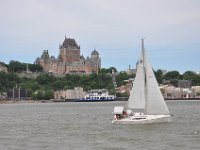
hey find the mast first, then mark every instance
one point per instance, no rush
(143, 57)
(145, 75)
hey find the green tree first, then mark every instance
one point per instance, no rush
(16, 66)
(45, 79)
(35, 68)
(35, 86)
(195, 78)
(40, 95)
(122, 94)
(188, 75)
(109, 70)
(48, 95)
(172, 75)
(121, 77)
(3, 64)
(103, 71)
(58, 85)
(159, 75)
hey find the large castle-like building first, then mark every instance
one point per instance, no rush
(69, 60)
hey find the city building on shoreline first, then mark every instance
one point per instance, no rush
(172, 92)
(75, 93)
(69, 60)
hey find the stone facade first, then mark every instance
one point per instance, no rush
(171, 92)
(196, 91)
(69, 60)
(77, 93)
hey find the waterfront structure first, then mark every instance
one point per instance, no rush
(96, 95)
(124, 88)
(76, 93)
(171, 92)
(69, 60)
(196, 91)
(184, 83)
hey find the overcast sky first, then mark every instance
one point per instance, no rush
(113, 27)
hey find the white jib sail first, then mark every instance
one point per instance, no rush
(137, 95)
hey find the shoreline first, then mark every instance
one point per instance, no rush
(7, 101)
(182, 99)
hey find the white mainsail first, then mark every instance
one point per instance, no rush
(145, 93)
(155, 103)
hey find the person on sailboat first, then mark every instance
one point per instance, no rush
(124, 114)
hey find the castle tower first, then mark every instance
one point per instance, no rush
(96, 61)
(95, 55)
(69, 51)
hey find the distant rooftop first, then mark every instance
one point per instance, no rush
(69, 43)
(95, 52)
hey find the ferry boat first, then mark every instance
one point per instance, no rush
(98, 95)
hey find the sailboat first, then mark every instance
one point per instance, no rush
(146, 103)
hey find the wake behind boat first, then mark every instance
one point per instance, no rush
(146, 103)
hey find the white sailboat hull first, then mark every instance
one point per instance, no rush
(143, 119)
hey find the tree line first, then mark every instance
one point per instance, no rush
(43, 86)
(17, 67)
(172, 77)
